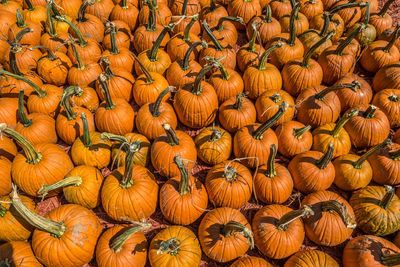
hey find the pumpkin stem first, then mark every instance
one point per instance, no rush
(387, 198)
(106, 91)
(3, 211)
(20, 19)
(327, 21)
(347, 41)
(82, 41)
(321, 95)
(186, 58)
(186, 31)
(149, 78)
(215, 135)
(395, 36)
(82, 10)
(171, 135)
(151, 21)
(395, 155)
(15, 48)
(171, 246)
(370, 152)
(108, 72)
(390, 260)
(298, 133)
(50, 54)
(292, 25)
(230, 173)
(220, 25)
(258, 134)
(214, 39)
(87, 142)
(251, 47)
(155, 107)
(184, 182)
(124, 4)
(118, 241)
(29, 5)
(217, 63)
(347, 5)
(213, 5)
(323, 162)
(184, 7)
(69, 181)
(197, 90)
(21, 34)
(65, 101)
(49, 20)
(37, 89)
(113, 32)
(56, 229)
(385, 8)
(284, 222)
(394, 98)
(133, 147)
(334, 206)
(80, 64)
(262, 65)
(21, 110)
(367, 14)
(270, 172)
(306, 59)
(239, 101)
(342, 121)
(233, 226)
(370, 112)
(153, 52)
(114, 137)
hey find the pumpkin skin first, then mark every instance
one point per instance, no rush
(119, 81)
(376, 56)
(227, 83)
(387, 77)
(14, 227)
(301, 22)
(8, 149)
(42, 129)
(54, 70)
(268, 103)
(213, 241)
(213, 12)
(366, 250)
(267, 26)
(229, 184)
(5, 174)
(123, 59)
(49, 104)
(87, 99)
(245, 10)
(386, 166)
(18, 253)
(141, 157)
(388, 100)
(396, 137)
(310, 258)
(188, 254)
(248, 54)
(122, 36)
(214, 145)
(280, 8)
(293, 138)
(251, 261)
(386, 215)
(328, 228)
(146, 91)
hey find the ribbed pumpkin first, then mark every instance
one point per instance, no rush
(246, 9)
(250, 261)
(5, 172)
(387, 77)
(267, 26)
(313, 257)
(16, 252)
(388, 100)
(293, 138)
(386, 165)
(268, 103)
(86, 98)
(214, 145)
(249, 53)
(382, 20)
(53, 67)
(225, 30)
(212, 12)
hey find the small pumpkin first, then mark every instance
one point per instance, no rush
(293, 138)
(90, 25)
(31, 38)
(86, 98)
(225, 31)
(162, 10)
(368, 34)
(382, 20)
(245, 9)
(117, 33)
(388, 100)
(213, 12)
(301, 22)
(385, 165)
(101, 9)
(126, 12)
(267, 26)
(249, 53)
(311, 257)
(387, 77)
(214, 145)
(54, 67)
(281, 8)
(18, 252)
(250, 261)
(5, 172)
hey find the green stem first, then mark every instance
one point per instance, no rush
(358, 164)
(113, 33)
(184, 183)
(32, 156)
(347, 41)
(214, 40)
(117, 242)
(197, 90)
(124, 4)
(186, 58)
(82, 10)
(184, 7)
(220, 25)
(37, 89)
(370, 112)
(107, 71)
(87, 142)
(50, 54)
(342, 121)
(390, 260)
(252, 47)
(127, 181)
(56, 229)
(20, 19)
(385, 8)
(54, 8)
(21, 34)
(224, 72)
(230, 173)
(284, 222)
(233, 226)
(327, 21)
(347, 5)
(68, 181)
(270, 172)
(66, 103)
(387, 198)
(155, 107)
(82, 41)
(149, 78)
(80, 64)
(321, 95)
(292, 24)
(258, 134)
(157, 43)
(114, 137)
(186, 31)
(239, 101)
(268, 14)
(106, 91)
(306, 59)
(21, 110)
(262, 65)
(213, 5)
(276, 98)
(334, 206)
(323, 162)
(173, 140)
(170, 246)
(215, 135)
(151, 21)
(394, 38)
(395, 155)
(29, 5)
(298, 133)
(3, 211)
(49, 21)
(15, 48)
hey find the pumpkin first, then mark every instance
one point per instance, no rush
(333, 133)
(350, 14)
(69, 8)
(382, 20)
(81, 186)
(310, 258)
(121, 35)
(222, 229)
(229, 184)
(74, 226)
(396, 137)
(214, 145)
(281, 8)
(376, 209)
(18, 252)
(5, 172)
(278, 230)
(185, 7)
(273, 182)
(385, 165)
(14, 227)
(368, 34)
(86, 98)
(387, 77)
(293, 138)
(175, 246)
(32, 37)
(213, 12)
(301, 23)
(90, 25)
(250, 261)
(196, 104)
(183, 199)
(114, 115)
(8, 149)
(369, 128)
(54, 38)
(249, 53)
(245, 9)
(267, 26)
(123, 245)
(388, 100)
(163, 13)
(101, 9)
(252, 142)
(334, 219)
(54, 67)
(236, 112)
(268, 103)
(264, 76)
(167, 146)
(8, 111)
(225, 31)
(311, 8)
(126, 12)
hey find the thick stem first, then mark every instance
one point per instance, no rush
(251, 47)
(124, 4)
(327, 21)
(155, 107)
(394, 38)
(347, 5)
(157, 43)
(106, 66)
(284, 222)
(66, 103)
(258, 134)
(370, 112)
(214, 40)
(321, 95)
(21, 110)
(82, 41)
(390, 260)
(215, 135)
(184, 8)
(298, 133)
(394, 98)
(334, 206)
(114, 137)
(395, 155)
(220, 25)
(21, 34)
(292, 25)
(80, 64)
(113, 32)
(224, 72)
(117, 242)
(54, 228)
(106, 91)
(29, 5)
(197, 90)
(20, 19)
(50, 54)
(339, 50)
(370, 152)
(151, 21)
(15, 48)
(186, 31)
(49, 21)
(387, 198)
(149, 78)
(171, 246)
(37, 89)
(270, 172)
(69, 181)
(262, 65)
(82, 10)
(171, 135)
(342, 121)
(306, 59)
(268, 14)
(133, 147)
(184, 183)
(233, 226)
(230, 173)
(323, 162)
(385, 8)
(367, 14)
(239, 101)
(87, 142)
(186, 59)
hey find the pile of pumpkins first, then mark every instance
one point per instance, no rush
(151, 89)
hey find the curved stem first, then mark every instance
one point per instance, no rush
(157, 43)
(347, 41)
(214, 40)
(385, 8)
(185, 63)
(292, 25)
(65, 101)
(321, 95)
(50, 54)
(251, 47)
(87, 142)
(173, 140)
(298, 133)
(270, 172)
(80, 64)
(113, 33)
(284, 222)
(149, 78)
(15, 48)
(184, 182)
(224, 72)
(21, 110)
(258, 134)
(262, 65)
(186, 31)
(367, 14)
(82, 10)
(21, 34)
(114, 137)
(20, 19)
(394, 38)
(82, 41)
(49, 21)
(327, 21)
(239, 101)
(306, 59)
(54, 228)
(155, 107)
(133, 147)
(117, 242)
(268, 14)
(370, 112)
(151, 21)
(199, 78)
(342, 121)
(323, 162)
(370, 152)
(233, 226)
(69, 181)
(390, 260)
(341, 210)
(37, 89)
(106, 91)
(347, 5)
(220, 25)
(387, 198)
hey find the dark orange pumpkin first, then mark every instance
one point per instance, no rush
(8, 111)
(101, 9)
(382, 20)
(89, 25)
(32, 37)
(307, 258)
(5, 170)
(54, 67)
(386, 165)
(387, 77)
(249, 53)
(268, 103)
(214, 145)
(293, 138)
(301, 23)
(161, 9)
(388, 100)
(121, 35)
(245, 9)
(250, 261)
(126, 12)
(225, 31)
(86, 98)
(18, 252)
(280, 8)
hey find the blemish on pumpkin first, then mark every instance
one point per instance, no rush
(76, 232)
